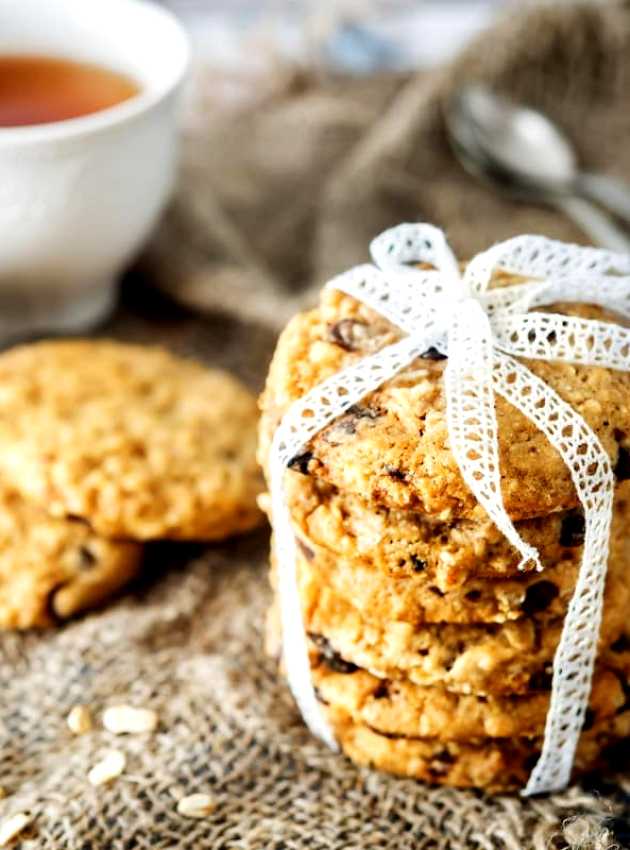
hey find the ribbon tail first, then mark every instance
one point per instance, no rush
(575, 656)
(305, 418)
(471, 418)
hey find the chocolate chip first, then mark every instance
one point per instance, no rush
(319, 697)
(622, 467)
(418, 564)
(305, 550)
(441, 763)
(300, 462)
(393, 736)
(589, 720)
(86, 557)
(433, 354)
(337, 664)
(395, 473)
(348, 422)
(349, 334)
(538, 597)
(473, 595)
(622, 644)
(540, 680)
(330, 656)
(618, 755)
(529, 763)
(50, 605)
(382, 692)
(446, 757)
(362, 411)
(572, 529)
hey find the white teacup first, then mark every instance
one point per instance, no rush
(79, 197)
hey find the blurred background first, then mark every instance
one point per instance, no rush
(312, 126)
(360, 36)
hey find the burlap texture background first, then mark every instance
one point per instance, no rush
(187, 639)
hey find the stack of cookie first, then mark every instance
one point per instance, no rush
(104, 446)
(430, 652)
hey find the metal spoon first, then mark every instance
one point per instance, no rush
(522, 153)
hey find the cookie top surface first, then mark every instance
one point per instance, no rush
(138, 442)
(393, 447)
(50, 568)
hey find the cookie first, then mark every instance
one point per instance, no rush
(539, 597)
(405, 543)
(393, 448)
(139, 443)
(493, 764)
(511, 658)
(52, 569)
(399, 707)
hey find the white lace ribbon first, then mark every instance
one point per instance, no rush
(480, 329)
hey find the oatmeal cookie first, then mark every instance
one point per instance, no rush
(539, 597)
(52, 569)
(399, 707)
(511, 658)
(494, 764)
(393, 450)
(139, 443)
(404, 543)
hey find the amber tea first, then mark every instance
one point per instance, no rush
(43, 89)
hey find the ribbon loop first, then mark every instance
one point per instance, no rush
(414, 243)
(548, 336)
(542, 258)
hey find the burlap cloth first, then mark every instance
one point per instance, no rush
(321, 167)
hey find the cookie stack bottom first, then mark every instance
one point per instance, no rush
(443, 672)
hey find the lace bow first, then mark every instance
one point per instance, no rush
(480, 330)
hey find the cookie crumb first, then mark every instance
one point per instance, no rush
(13, 826)
(196, 806)
(108, 768)
(122, 719)
(79, 720)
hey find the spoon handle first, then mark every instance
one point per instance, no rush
(610, 193)
(597, 224)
